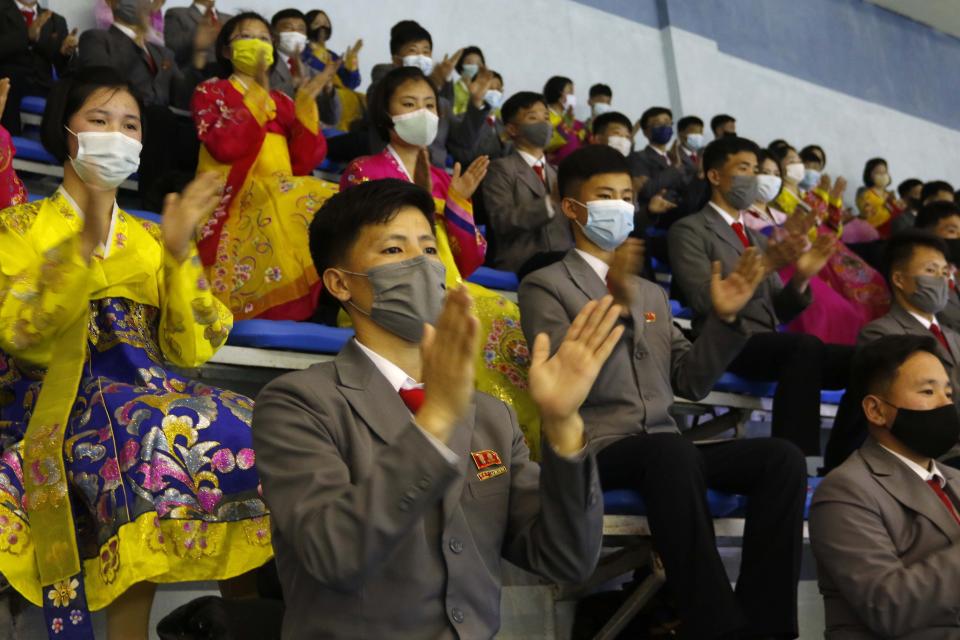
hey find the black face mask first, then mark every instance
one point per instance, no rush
(930, 432)
(314, 34)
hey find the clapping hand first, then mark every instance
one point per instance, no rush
(70, 43)
(478, 86)
(784, 251)
(836, 193)
(621, 279)
(443, 69)
(421, 171)
(312, 87)
(659, 204)
(810, 263)
(560, 384)
(466, 183)
(4, 92)
(731, 294)
(33, 31)
(448, 354)
(350, 55)
(183, 212)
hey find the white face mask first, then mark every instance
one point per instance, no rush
(570, 101)
(105, 158)
(695, 141)
(795, 172)
(768, 187)
(493, 98)
(622, 144)
(600, 108)
(424, 63)
(417, 128)
(291, 43)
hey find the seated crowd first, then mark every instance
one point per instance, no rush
(381, 489)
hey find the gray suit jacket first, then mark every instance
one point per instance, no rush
(377, 535)
(647, 162)
(887, 549)
(516, 200)
(950, 317)
(652, 362)
(111, 48)
(699, 239)
(180, 28)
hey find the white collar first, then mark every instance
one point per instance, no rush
(531, 160)
(396, 376)
(34, 9)
(127, 31)
(396, 156)
(926, 323)
(726, 216)
(925, 474)
(105, 250)
(662, 154)
(202, 8)
(599, 267)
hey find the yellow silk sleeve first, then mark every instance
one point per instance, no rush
(307, 112)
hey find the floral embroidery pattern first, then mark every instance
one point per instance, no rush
(506, 352)
(63, 592)
(110, 560)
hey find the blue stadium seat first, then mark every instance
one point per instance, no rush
(289, 335)
(658, 266)
(731, 383)
(330, 132)
(831, 397)
(146, 215)
(28, 149)
(33, 104)
(494, 279)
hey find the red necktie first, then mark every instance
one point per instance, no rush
(538, 168)
(28, 16)
(738, 229)
(213, 16)
(944, 498)
(293, 66)
(413, 398)
(938, 334)
(693, 157)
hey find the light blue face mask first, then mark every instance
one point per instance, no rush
(609, 222)
(470, 71)
(811, 178)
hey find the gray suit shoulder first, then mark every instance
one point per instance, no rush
(314, 378)
(847, 483)
(545, 277)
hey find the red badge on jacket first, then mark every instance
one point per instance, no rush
(485, 458)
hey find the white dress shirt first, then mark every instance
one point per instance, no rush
(599, 267)
(663, 154)
(926, 323)
(542, 162)
(726, 216)
(34, 9)
(925, 474)
(202, 8)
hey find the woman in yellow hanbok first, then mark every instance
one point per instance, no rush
(115, 472)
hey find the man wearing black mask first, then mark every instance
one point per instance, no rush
(884, 526)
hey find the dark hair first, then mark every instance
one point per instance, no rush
(931, 214)
(378, 102)
(652, 113)
(287, 13)
(519, 100)
(901, 246)
(780, 151)
(310, 17)
(586, 162)
(69, 95)
(934, 187)
(554, 87)
(601, 89)
(338, 223)
(875, 364)
(604, 120)
(907, 185)
(467, 51)
(763, 155)
(223, 40)
(688, 121)
(814, 153)
(872, 164)
(717, 152)
(719, 120)
(497, 76)
(405, 32)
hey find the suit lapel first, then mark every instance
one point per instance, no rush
(527, 175)
(370, 394)
(459, 443)
(724, 231)
(584, 276)
(913, 326)
(656, 157)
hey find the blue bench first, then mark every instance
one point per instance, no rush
(32, 150)
(288, 335)
(146, 215)
(33, 104)
(495, 279)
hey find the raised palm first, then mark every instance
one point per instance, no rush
(731, 294)
(466, 183)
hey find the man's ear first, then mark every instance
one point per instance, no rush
(335, 282)
(896, 278)
(569, 208)
(874, 410)
(713, 177)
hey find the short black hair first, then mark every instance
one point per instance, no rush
(652, 113)
(717, 152)
(497, 76)
(765, 154)
(868, 168)
(875, 364)
(601, 89)
(378, 102)
(908, 185)
(604, 120)
(554, 87)
(311, 16)
(337, 225)
(779, 150)
(467, 51)
(931, 214)
(688, 121)
(814, 153)
(719, 120)
(934, 187)
(901, 246)
(283, 14)
(223, 40)
(586, 162)
(405, 32)
(69, 95)
(519, 100)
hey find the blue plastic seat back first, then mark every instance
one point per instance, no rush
(289, 335)
(495, 279)
(30, 149)
(33, 104)
(731, 383)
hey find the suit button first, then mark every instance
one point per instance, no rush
(424, 483)
(410, 495)
(593, 499)
(457, 615)
(641, 354)
(455, 545)
(404, 505)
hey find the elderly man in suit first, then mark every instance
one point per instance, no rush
(180, 26)
(801, 364)
(629, 423)
(35, 48)
(884, 526)
(394, 488)
(519, 192)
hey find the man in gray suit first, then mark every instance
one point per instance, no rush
(180, 25)
(519, 192)
(390, 521)
(943, 219)
(884, 526)
(628, 412)
(801, 364)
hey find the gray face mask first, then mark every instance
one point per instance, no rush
(743, 192)
(131, 11)
(405, 295)
(931, 294)
(537, 134)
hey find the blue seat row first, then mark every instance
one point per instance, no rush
(29, 149)
(33, 104)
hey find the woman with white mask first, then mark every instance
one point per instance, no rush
(135, 475)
